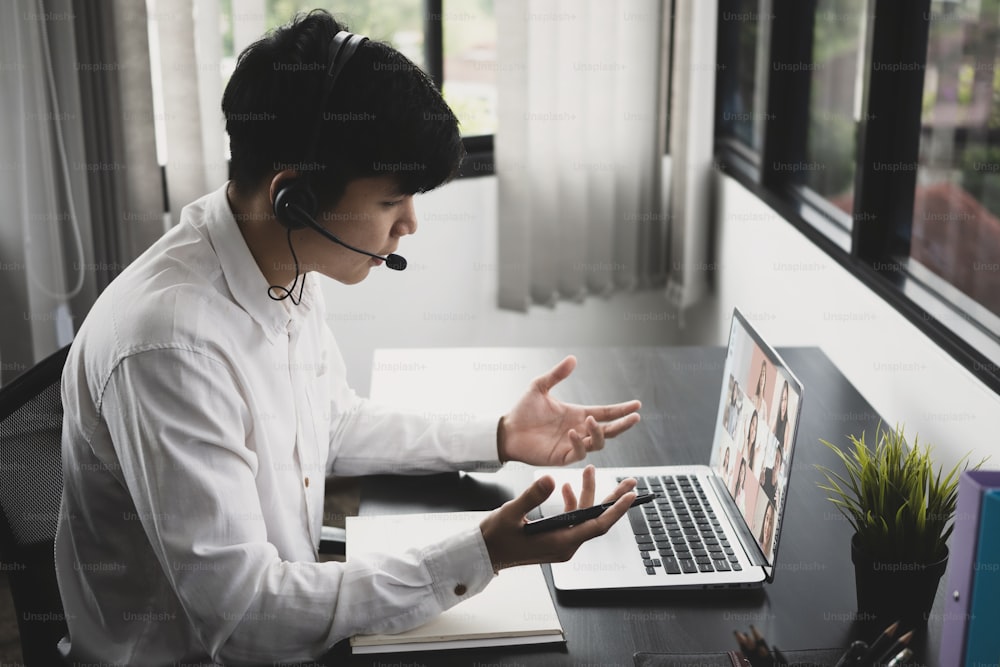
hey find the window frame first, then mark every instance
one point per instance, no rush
(889, 130)
(479, 160)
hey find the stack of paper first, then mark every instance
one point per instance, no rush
(515, 608)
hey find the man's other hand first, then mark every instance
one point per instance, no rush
(509, 545)
(542, 430)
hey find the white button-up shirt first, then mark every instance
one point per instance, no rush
(201, 418)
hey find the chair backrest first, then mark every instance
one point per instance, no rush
(31, 482)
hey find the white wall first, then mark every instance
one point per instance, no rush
(446, 297)
(796, 295)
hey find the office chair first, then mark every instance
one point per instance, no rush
(30, 492)
(31, 481)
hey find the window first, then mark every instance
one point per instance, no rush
(470, 64)
(400, 23)
(886, 127)
(740, 116)
(467, 52)
(956, 214)
(454, 42)
(838, 36)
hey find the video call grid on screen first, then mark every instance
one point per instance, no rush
(755, 432)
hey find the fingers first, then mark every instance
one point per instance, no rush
(606, 413)
(589, 483)
(623, 487)
(578, 448)
(596, 436)
(569, 498)
(597, 433)
(508, 545)
(558, 373)
(619, 426)
(602, 524)
(586, 491)
(532, 497)
(589, 487)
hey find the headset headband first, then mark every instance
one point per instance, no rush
(342, 47)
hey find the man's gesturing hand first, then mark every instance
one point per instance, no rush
(509, 545)
(544, 431)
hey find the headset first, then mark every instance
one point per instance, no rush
(295, 203)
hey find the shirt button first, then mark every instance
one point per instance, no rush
(307, 482)
(460, 590)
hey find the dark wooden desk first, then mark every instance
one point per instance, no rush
(811, 603)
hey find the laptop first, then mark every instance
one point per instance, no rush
(711, 526)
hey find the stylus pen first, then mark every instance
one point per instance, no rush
(576, 516)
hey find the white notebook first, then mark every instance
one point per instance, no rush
(515, 608)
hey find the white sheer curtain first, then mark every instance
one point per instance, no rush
(45, 218)
(81, 190)
(579, 147)
(692, 137)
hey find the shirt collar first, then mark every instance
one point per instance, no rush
(243, 277)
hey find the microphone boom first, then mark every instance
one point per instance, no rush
(392, 260)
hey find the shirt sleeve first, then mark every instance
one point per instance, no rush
(179, 423)
(368, 438)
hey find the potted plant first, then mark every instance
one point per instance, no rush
(902, 512)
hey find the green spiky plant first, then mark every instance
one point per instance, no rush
(900, 508)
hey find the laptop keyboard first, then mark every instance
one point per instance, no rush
(679, 532)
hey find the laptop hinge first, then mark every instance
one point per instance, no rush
(739, 524)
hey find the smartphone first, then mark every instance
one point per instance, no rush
(568, 519)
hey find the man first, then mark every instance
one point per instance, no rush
(205, 398)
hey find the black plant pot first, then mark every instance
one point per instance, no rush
(889, 592)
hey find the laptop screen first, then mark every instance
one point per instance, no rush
(755, 431)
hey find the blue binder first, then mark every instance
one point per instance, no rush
(983, 639)
(972, 488)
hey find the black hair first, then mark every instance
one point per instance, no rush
(384, 117)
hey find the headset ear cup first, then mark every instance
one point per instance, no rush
(299, 195)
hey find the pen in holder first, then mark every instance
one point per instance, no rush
(756, 650)
(889, 649)
(853, 654)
